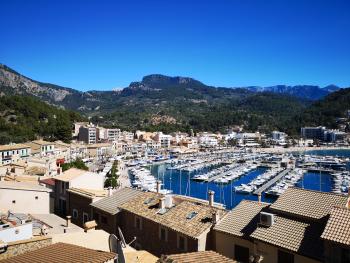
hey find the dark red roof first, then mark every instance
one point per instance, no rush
(48, 181)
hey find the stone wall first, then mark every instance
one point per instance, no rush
(20, 247)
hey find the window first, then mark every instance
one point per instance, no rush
(138, 222)
(181, 242)
(285, 257)
(85, 217)
(163, 234)
(345, 255)
(75, 213)
(96, 217)
(191, 215)
(241, 254)
(104, 220)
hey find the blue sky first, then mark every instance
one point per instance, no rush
(90, 44)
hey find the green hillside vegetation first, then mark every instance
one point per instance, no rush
(261, 111)
(325, 112)
(24, 118)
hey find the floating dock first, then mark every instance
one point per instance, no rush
(271, 182)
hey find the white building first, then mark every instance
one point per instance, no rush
(42, 148)
(126, 136)
(248, 139)
(206, 139)
(20, 197)
(163, 139)
(113, 134)
(13, 152)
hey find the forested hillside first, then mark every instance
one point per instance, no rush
(23, 118)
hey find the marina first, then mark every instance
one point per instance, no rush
(241, 175)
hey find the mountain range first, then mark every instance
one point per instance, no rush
(159, 102)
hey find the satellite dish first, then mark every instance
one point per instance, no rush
(122, 239)
(113, 243)
(121, 257)
(121, 236)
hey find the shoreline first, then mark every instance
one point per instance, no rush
(300, 149)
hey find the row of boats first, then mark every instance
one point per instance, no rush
(144, 180)
(257, 182)
(227, 173)
(341, 182)
(287, 181)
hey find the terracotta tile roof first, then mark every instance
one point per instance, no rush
(42, 142)
(70, 174)
(112, 203)
(89, 193)
(338, 226)
(193, 257)
(48, 181)
(242, 220)
(174, 218)
(9, 147)
(307, 203)
(62, 253)
(294, 235)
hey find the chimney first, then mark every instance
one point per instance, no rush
(110, 191)
(158, 186)
(162, 203)
(259, 198)
(211, 197)
(68, 221)
(215, 217)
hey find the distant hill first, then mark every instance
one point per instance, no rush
(159, 102)
(24, 118)
(301, 91)
(326, 111)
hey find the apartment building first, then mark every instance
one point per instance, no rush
(74, 178)
(79, 200)
(126, 136)
(315, 133)
(163, 139)
(112, 134)
(40, 148)
(161, 224)
(169, 224)
(88, 134)
(322, 134)
(99, 150)
(248, 139)
(291, 230)
(207, 139)
(77, 126)
(13, 152)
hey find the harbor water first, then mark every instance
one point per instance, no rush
(179, 182)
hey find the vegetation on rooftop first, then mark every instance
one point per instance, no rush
(77, 163)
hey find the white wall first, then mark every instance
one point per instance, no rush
(25, 201)
(88, 180)
(17, 233)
